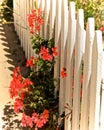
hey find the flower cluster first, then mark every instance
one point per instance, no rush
(34, 95)
(44, 53)
(19, 85)
(39, 120)
(35, 20)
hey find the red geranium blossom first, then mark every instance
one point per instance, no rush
(35, 117)
(27, 121)
(30, 62)
(44, 53)
(102, 29)
(18, 83)
(63, 73)
(27, 82)
(54, 50)
(46, 113)
(42, 119)
(18, 105)
(15, 85)
(38, 120)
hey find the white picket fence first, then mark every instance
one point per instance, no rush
(78, 48)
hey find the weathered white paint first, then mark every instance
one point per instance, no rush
(77, 70)
(70, 60)
(95, 86)
(64, 32)
(87, 73)
(57, 43)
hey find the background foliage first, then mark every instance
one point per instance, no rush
(92, 8)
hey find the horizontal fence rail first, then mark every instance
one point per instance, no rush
(80, 52)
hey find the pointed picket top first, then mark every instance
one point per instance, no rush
(98, 42)
(87, 73)
(80, 18)
(71, 30)
(52, 18)
(95, 87)
(72, 10)
(89, 33)
(79, 28)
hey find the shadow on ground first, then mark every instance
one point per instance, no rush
(9, 118)
(15, 57)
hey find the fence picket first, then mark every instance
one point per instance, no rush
(77, 70)
(64, 30)
(95, 86)
(25, 30)
(22, 24)
(87, 74)
(102, 98)
(18, 18)
(57, 43)
(70, 61)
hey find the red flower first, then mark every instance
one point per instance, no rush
(35, 117)
(44, 53)
(15, 85)
(30, 62)
(46, 113)
(54, 50)
(44, 50)
(39, 123)
(63, 73)
(22, 95)
(18, 83)
(27, 121)
(40, 120)
(18, 105)
(27, 83)
(102, 29)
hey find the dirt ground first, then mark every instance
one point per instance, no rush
(11, 55)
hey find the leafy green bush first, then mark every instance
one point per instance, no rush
(92, 8)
